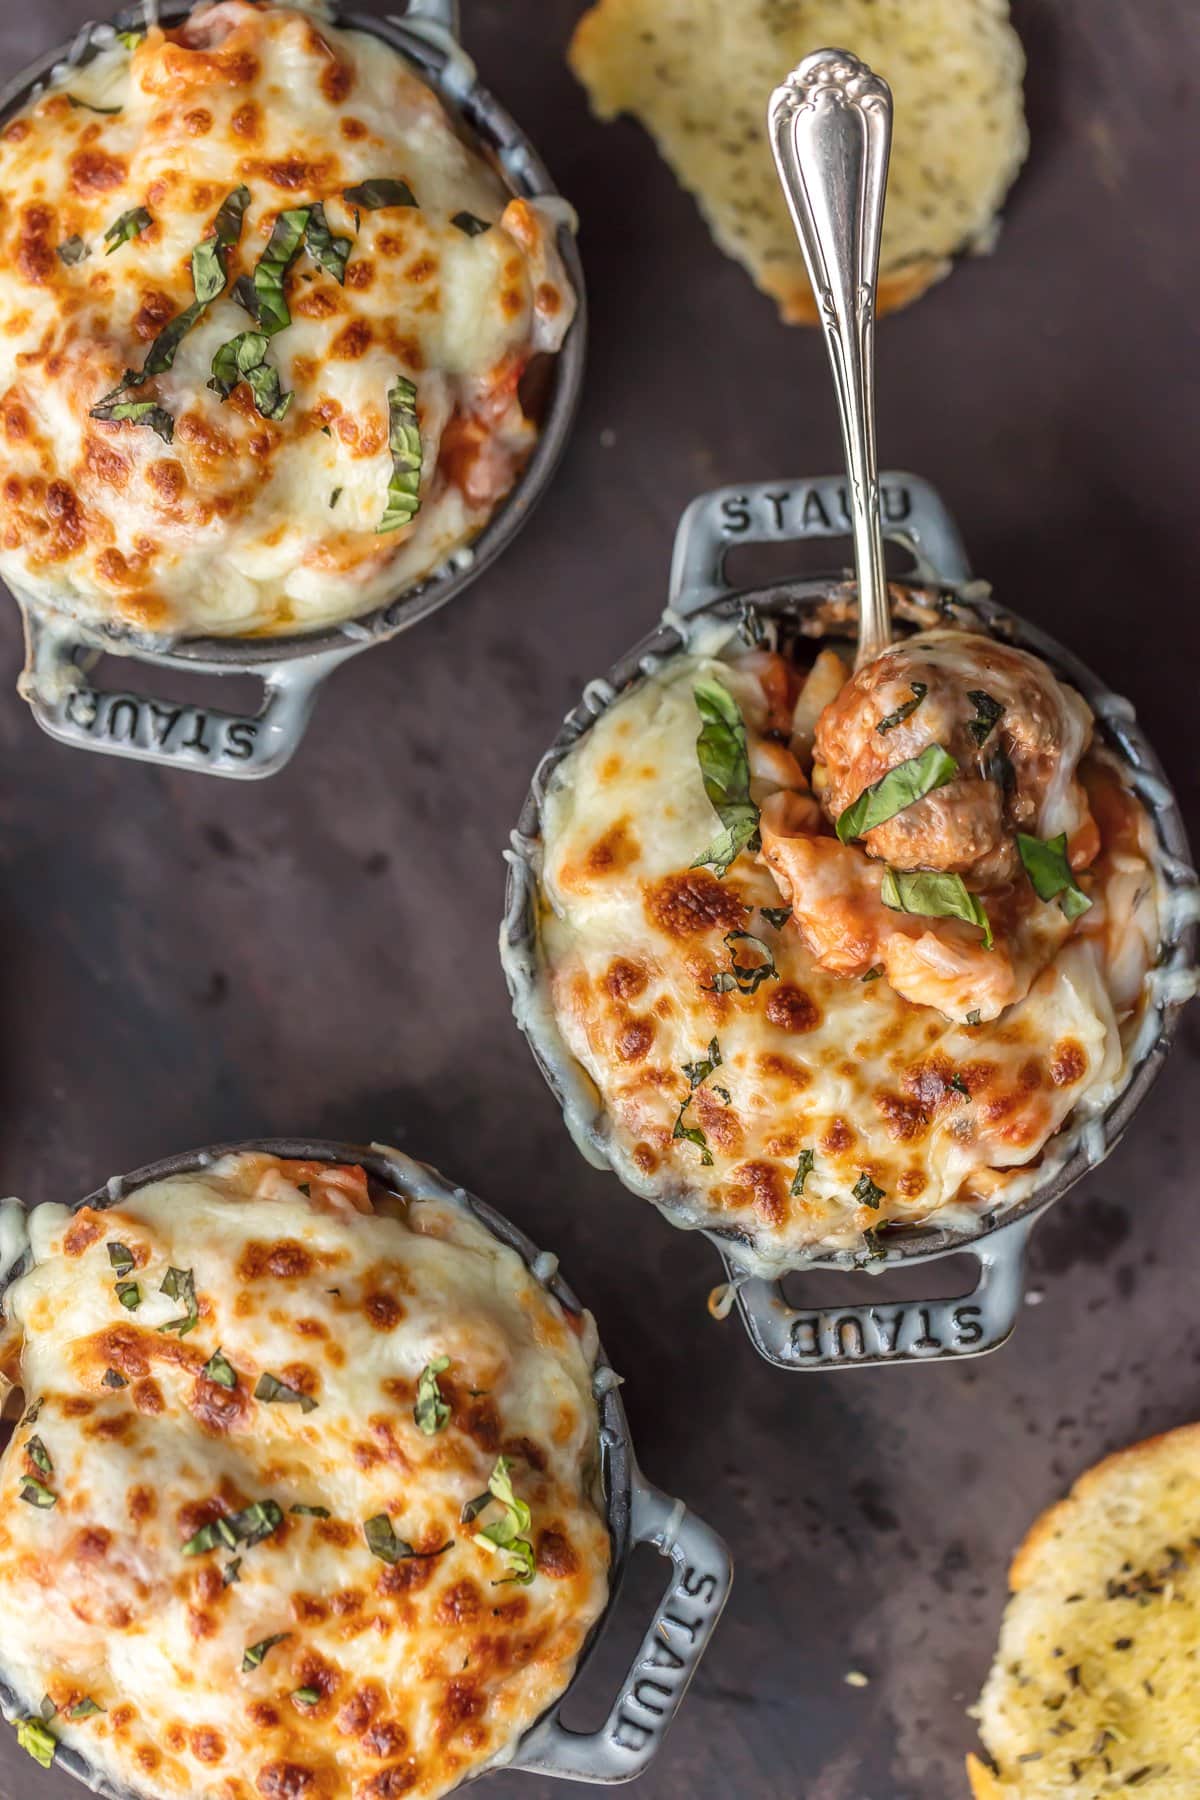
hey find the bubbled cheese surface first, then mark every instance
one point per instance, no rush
(416, 1672)
(937, 1115)
(241, 525)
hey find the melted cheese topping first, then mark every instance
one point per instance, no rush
(813, 1065)
(241, 525)
(414, 1674)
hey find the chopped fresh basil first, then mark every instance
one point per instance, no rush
(244, 358)
(107, 112)
(47, 1708)
(306, 1696)
(873, 1244)
(130, 39)
(697, 1072)
(311, 1512)
(509, 1535)
(304, 1187)
(263, 294)
(87, 1708)
(725, 768)
(383, 1542)
(31, 1417)
(1049, 870)
(256, 1522)
(329, 252)
(804, 1169)
(987, 711)
(959, 1085)
(431, 1412)
(334, 498)
(73, 250)
(777, 916)
(747, 978)
(473, 1508)
(137, 412)
(404, 442)
(722, 1094)
(114, 1379)
(36, 1493)
(180, 1284)
(933, 894)
(36, 1741)
(216, 1532)
(129, 1294)
(208, 258)
(693, 1135)
(255, 1652)
(39, 1456)
(919, 691)
(218, 1368)
(231, 1572)
(973, 1018)
(873, 974)
(468, 222)
(865, 1191)
(276, 1392)
(128, 226)
(122, 1258)
(378, 193)
(901, 787)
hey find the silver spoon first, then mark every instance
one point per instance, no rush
(831, 131)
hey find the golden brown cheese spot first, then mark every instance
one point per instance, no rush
(247, 122)
(625, 980)
(645, 1158)
(90, 1545)
(353, 341)
(785, 1069)
(16, 422)
(791, 1009)
(286, 1260)
(207, 1744)
(391, 1783)
(18, 131)
(635, 1040)
(762, 1186)
(36, 257)
(197, 122)
(66, 519)
(912, 1184)
(387, 1738)
(407, 1577)
(263, 1715)
(293, 173)
(838, 1138)
(691, 903)
(617, 849)
(286, 1781)
(1068, 1063)
(555, 1554)
(718, 1121)
(361, 275)
(359, 1710)
(905, 1119)
(147, 1397)
(316, 303)
(337, 81)
(383, 1311)
(82, 1232)
(78, 1406)
(148, 1757)
(353, 130)
(547, 300)
(461, 1604)
(461, 1703)
(96, 172)
(168, 477)
(218, 1409)
(142, 1503)
(108, 466)
(155, 311)
(122, 1347)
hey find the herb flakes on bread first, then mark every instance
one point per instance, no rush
(1095, 1689)
(699, 73)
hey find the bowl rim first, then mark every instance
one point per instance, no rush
(523, 963)
(475, 111)
(408, 1179)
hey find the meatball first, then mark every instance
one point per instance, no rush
(1016, 733)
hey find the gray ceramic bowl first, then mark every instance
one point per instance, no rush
(134, 723)
(915, 519)
(638, 1513)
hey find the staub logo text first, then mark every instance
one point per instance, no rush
(876, 1333)
(160, 728)
(667, 1660)
(811, 509)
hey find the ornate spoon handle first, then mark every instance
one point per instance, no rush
(831, 131)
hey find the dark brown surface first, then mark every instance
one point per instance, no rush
(186, 960)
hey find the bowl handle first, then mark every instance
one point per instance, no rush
(789, 512)
(632, 1735)
(894, 1331)
(444, 14)
(243, 746)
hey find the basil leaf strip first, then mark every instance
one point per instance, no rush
(39, 1456)
(866, 1193)
(114, 1379)
(379, 192)
(37, 1493)
(777, 916)
(306, 1696)
(404, 442)
(919, 691)
(383, 1542)
(130, 39)
(1048, 868)
(473, 1508)
(431, 1413)
(311, 1512)
(180, 1284)
(87, 1708)
(256, 1522)
(208, 258)
(244, 358)
(901, 787)
(129, 1294)
(804, 1169)
(747, 978)
(255, 1652)
(31, 1417)
(130, 225)
(121, 1258)
(274, 1391)
(36, 1741)
(697, 1072)
(935, 895)
(327, 251)
(73, 250)
(987, 711)
(136, 412)
(472, 226)
(263, 295)
(218, 1368)
(231, 1572)
(108, 112)
(508, 1535)
(725, 768)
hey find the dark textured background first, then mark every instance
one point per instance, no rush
(185, 960)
